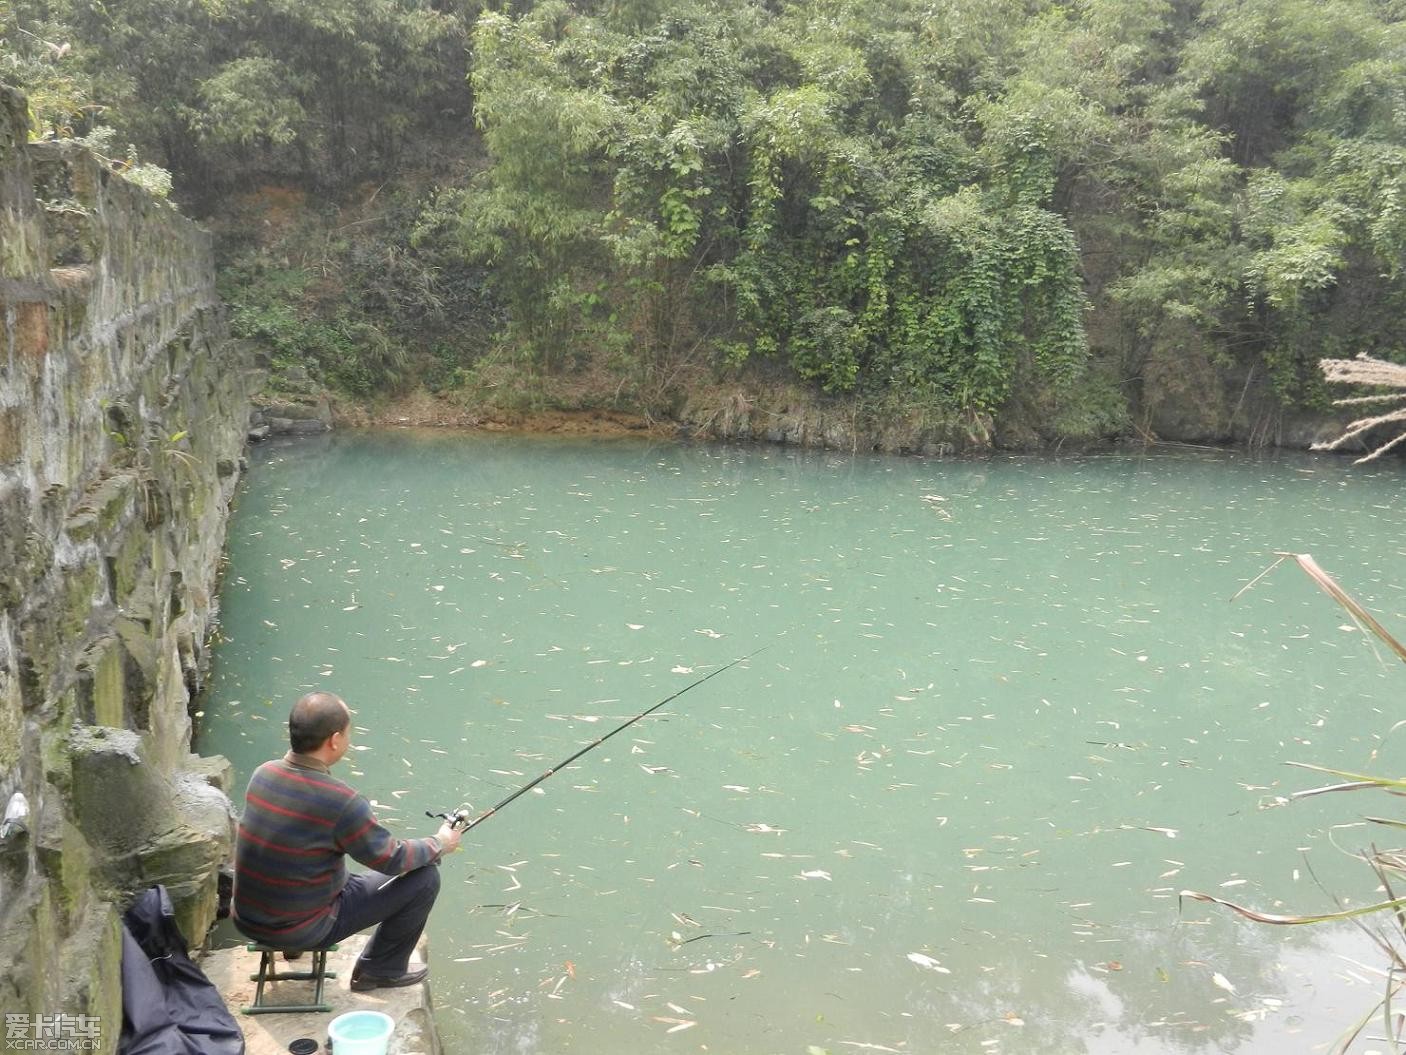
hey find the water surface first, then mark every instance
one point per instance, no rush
(1005, 712)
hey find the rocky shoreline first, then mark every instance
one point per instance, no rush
(779, 415)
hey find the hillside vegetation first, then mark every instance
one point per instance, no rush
(1057, 210)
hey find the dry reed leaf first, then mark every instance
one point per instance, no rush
(1329, 585)
(1266, 917)
(1357, 780)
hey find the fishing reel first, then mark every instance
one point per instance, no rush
(459, 818)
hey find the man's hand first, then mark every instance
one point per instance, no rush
(448, 837)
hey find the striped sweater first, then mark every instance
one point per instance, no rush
(299, 823)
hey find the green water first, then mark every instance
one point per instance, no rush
(1005, 712)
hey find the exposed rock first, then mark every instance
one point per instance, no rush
(296, 426)
(290, 415)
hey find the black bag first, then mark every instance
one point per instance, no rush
(169, 1007)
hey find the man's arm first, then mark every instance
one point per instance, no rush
(361, 837)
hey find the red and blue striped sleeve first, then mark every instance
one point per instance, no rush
(358, 834)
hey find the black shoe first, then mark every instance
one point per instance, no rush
(364, 983)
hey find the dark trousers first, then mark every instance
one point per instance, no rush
(400, 904)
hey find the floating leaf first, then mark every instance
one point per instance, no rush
(925, 961)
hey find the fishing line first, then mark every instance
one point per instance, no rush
(460, 819)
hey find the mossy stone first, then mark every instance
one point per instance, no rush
(66, 860)
(11, 723)
(80, 588)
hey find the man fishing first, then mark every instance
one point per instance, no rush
(291, 886)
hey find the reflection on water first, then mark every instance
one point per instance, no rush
(1004, 714)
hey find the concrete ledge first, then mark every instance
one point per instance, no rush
(229, 970)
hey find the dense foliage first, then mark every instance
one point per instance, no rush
(752, 183)
(225, 92)
(969, 203)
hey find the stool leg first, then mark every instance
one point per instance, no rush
(265, 972)
(319, 968)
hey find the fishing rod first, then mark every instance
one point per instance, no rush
(460, 818)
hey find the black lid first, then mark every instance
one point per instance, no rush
(303, 1046)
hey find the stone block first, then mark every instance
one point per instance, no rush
(117, 798)
(186, 858)
(71, 309)
(11, 436)
(30, 330)
(74, 279)
(313, 409)
(296, 426)
(146, 829)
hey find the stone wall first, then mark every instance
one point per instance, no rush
(123, 411)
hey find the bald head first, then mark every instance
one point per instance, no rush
(314, 718)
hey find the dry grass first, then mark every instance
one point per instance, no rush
(1368, 373)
